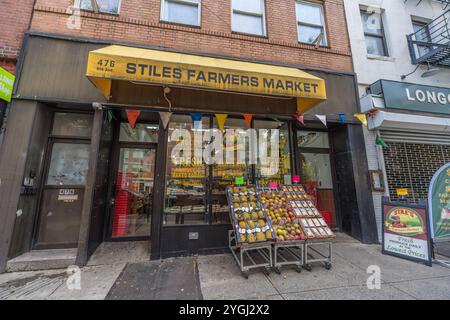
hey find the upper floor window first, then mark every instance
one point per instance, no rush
(249, 17)
(181, 11)
(374, 33)
(422, 34)
(104, 6)
(310, 23)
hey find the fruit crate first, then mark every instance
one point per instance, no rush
(292, 250)
(251, 225)
(250, 256)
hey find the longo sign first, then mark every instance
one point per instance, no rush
(408, 96)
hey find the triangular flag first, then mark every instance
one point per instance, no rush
(196, 119)
(132, 116)
(165, 118)
(248, 119)
(361, 117)
(380, 142)
(275, 119)
(109, 115)
(322, 118)
(300, 118)
(221, 118)
(342, 117)
(196, 116)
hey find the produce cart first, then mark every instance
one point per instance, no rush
(250, 241)
(288, 253)
(318, 251)
(299, 227)
(250, 256)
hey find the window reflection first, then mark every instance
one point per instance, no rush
(134, 190)
(147, 133)
(224, 174)
(282, 174)
(72, 124)
(185, 196)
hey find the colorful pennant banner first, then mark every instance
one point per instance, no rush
(165, 118)
(132, 116)
(248, 119)
(300, 118)
(221, 119)
(196, 116)
(361, 117)
(322, 118)
(380, 142)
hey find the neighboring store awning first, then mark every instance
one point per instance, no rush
(383, 120)
(168, 68)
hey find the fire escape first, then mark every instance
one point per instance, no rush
(431, 43)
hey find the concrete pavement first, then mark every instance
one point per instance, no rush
(400, 279)
(122, 271)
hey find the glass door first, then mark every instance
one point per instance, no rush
(316, 171)
(133, 192)
(62, 194)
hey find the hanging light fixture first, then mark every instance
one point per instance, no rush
(431, 71)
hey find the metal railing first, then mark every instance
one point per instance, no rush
(431, 43)
(446, 3)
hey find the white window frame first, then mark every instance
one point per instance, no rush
(382, 37)
(77, 4)
(247, 13)
(323, 26)
(198, 3)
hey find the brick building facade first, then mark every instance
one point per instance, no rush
(68, 97)
(138, 22)
(14, 22)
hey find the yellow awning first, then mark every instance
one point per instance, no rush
(169, 68)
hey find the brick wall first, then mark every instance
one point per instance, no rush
(14, 21)
(139, 23)
(412, 166)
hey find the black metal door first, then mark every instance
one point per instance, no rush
(62, 194)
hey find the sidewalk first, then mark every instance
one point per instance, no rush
(110, 276)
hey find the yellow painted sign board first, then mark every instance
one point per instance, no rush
(169, 68)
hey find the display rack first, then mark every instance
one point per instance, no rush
(288, 253)
(318, 251)
(300, 234)
(250, 256)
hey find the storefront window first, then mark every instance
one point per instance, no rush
(146, 133)
(280, 170)
(72, 124)
(313, 139)
(224, 174)
(187, 173)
